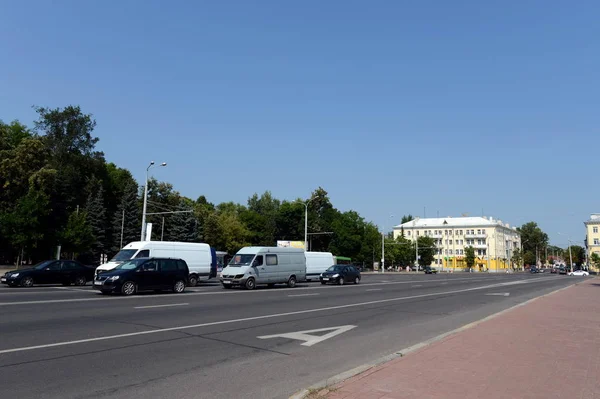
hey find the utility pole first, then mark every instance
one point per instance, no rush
(162, 230)
(122, 227)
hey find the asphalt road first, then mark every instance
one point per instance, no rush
(58, 342)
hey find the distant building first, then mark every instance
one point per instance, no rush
(592, 237)
(494, 241)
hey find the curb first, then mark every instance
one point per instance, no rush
(336, 379)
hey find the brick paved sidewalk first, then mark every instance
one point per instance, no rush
(549, 348)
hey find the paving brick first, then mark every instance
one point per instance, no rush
(549, 348)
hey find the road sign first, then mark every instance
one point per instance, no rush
(310, 340)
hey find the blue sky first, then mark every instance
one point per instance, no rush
(391, 106)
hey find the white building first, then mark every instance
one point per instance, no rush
(493, 240)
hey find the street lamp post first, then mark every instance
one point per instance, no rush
(143, 233)
(570, 254)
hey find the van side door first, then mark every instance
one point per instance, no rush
(168, 273)
(273, 270)
(149, 277)
(259, 269)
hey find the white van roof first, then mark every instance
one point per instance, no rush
(256, 250)
(159, 244)
(318, 254)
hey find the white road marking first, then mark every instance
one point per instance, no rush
(263, 317)
(414, 286)
(243, 292)
(374, 289)
(499, 294)
(443, 283)
(310, 340)
(304, 295)
(161, 306)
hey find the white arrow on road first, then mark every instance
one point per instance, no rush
(499, 293)
(309, 339)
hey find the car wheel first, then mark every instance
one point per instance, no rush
(179, 287)
(292, 282)
(250, 284)
(356, 280)
(128, 288)
(341, 281)
(26, 282)
(193, 281)
(80, 281)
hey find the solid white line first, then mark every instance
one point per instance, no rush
(304, 295)
(161, 306)
(269, 316)
(416, 285)
(374, 289)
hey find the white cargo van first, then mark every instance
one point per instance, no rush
(198, 256)
(264, 265)
(317, 263)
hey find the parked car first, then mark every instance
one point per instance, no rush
(579, 273)
(144, 274)
(65, 272)
(430, 270)
(562, 270)
(340, 274)
(554, 270)
(534, 269)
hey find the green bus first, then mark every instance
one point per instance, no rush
(342, 260)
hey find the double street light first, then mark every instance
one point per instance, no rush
(143, 233)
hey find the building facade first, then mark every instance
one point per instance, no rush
(592, 237)
(494, 241)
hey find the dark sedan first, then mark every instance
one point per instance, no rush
(65, 272)
(340, 274)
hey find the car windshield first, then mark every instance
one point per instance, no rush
(130, 265)
(241, 260)
(124, 254)
(335, 269)
(42, 265)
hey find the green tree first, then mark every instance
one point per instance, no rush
(595, 260)
(470, 257)
(533, 239)
(577, 253)
(348, 229)
(426, 250)
(77, 236)
(126, 218)
(517, 258)
(96, 217)
(184, 225)
(407, 218)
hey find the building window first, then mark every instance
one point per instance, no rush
(450, 242)
(596, 241)
(450, 251)
(479, 231)
(446, 252)
(408, 233)
(595, 229)
(484, 251)
(483, 231)
(479, 252)
(418, 232)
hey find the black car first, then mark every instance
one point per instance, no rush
(430, 270)
(65, 272)
(340, 274)
(534, 269)
(562, 270)
(144, 274)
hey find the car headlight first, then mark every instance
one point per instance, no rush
(335, 275)
(221, 275)
(113, 278)
(14, 275)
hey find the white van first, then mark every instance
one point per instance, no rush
(317, 263)
(264, 265)
(198, 256)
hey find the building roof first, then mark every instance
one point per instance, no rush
(462, 221)
(594, 219)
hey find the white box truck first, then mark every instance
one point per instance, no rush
(201, 258)
(264, 265)
(317, 263)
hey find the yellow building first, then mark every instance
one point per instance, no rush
(592, 238)
(493, 241)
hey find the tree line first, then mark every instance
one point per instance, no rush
(57, 189)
